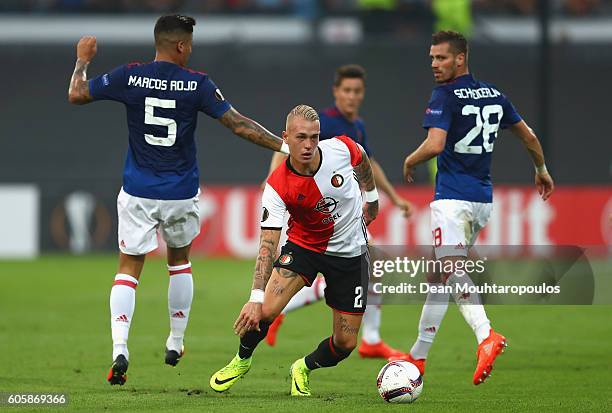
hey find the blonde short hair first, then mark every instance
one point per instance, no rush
(303, 111)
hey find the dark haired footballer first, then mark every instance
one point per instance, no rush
(462, 119)
(161, 178)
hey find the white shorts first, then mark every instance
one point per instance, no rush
(455, 225)
(140, 218)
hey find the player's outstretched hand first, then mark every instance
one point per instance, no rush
(545, 185)
(405, 206)
(87, 48)
(370, 211)
(248, 319)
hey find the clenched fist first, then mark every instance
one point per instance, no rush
(86, 48)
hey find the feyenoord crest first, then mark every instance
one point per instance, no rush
(285, 259)
(337, 181)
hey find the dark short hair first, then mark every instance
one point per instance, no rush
(349, 72)
(174, 23)
(457, 42)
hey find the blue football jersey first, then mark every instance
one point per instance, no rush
(333, 123)
(471, 112)
(162, 102)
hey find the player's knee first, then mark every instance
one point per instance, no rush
(178, 256)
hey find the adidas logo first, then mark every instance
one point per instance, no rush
(301, 197)
(459, 246)
(178, 314)
(431, 329)
(122, 318)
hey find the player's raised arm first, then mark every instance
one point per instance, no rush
(363, 171)
(78, 92)
(432, 146)
(252, 131)
(251, 312)
(530, 141)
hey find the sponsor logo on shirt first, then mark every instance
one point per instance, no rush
(105, 80)
(430, 111)
(326, 205)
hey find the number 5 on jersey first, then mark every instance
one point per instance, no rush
(151, 119)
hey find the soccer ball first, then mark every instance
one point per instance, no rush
(399, 382)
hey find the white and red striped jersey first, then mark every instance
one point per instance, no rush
(325, 209)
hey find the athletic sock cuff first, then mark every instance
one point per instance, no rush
(180, 269)
(125, 279)
(337, 351)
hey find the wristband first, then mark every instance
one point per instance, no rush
(284, 149)
(541, 170)
(371, 196)
(257, 296)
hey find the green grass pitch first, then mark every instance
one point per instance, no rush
(55, 337)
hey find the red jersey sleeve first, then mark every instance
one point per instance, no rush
(353, 148)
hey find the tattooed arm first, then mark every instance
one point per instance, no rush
(530, 141)
(268, 242)
(363, 172)
(78, 92)
(249, 317)
(250, 130)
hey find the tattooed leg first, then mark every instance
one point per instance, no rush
(283, 285)
(346, 328)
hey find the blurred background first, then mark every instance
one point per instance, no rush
(61, 165)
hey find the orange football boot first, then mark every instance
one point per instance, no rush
(273, 329)
(487, 352)
(419, 363)
(379, 350)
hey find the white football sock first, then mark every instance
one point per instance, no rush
(306, 295)
(470, 306)
(432, 315)
(370, 324)
(180, 295)
(122, 301)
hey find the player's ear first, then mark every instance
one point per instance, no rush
(181, 47)
(460, 59)
(285, 136)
